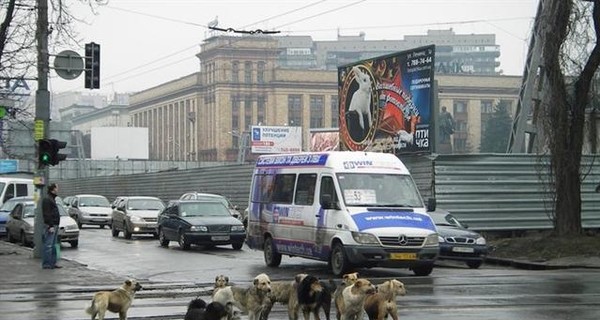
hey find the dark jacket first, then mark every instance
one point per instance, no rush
(50, 211)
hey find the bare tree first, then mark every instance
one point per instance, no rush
(570, 33)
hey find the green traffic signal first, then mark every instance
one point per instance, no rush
(48, 152)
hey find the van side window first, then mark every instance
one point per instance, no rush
(21, 190)
(328, 188)
(10, 192)
(283, 190)
(305, 192)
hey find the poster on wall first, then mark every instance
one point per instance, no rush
(270, 139)
(386, 102)
(324, 139)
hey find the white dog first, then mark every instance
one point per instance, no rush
(361, 99)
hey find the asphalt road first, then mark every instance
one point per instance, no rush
(172, 277)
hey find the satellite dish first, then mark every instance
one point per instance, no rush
(68, 64)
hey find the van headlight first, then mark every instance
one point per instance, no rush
(432, 240)
(480, 240)
(199, 228)
(364, 238)
(441, 239)
(237, 228)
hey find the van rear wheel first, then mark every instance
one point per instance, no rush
(272, 258)
(338, 261)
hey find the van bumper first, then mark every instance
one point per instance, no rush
(375, 256)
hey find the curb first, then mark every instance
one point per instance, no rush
(532, 265)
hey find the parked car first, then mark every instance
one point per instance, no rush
(135, 215)
(90, 209)
(5, 210)
(20, 225)
(199, 222)
(457, 242)
(233, 210)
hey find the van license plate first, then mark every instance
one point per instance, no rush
(403, 256)
(219, 238)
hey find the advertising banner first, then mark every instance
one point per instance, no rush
(283, 139)
(386, 103)
(324, 139)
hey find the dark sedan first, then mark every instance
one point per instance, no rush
(207, 223)
(457, 242)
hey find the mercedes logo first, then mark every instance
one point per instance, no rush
(402, 240)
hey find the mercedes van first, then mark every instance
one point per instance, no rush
(351, 209)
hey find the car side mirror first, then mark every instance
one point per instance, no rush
(431, 204)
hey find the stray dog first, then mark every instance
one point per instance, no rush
(199, 310)
(350, 304)
(249, 300)
(347, 280)
(117, 301)
(283, 292)
(382, 303)
(221, 281)
(312, 295)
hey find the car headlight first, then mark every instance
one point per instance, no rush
(432, 240)
(441, 239)
(364, 238)
(199, 228)
(136, 219)
(71, 227)
(237, 228)
(480, 240)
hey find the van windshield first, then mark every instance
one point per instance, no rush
(380, 190)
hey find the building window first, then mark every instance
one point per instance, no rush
(295, 110)
(261, 107)
(316, 111)
(247, 111)
(487, 106)
(235, 72)
(248, 72)
(460, 106)
(260, 72)
(235, 113)
(335, 112)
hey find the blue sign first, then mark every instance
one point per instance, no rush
(384, 219)
(7, 166)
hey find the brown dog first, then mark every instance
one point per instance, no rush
(382, 303)
(249, 300)
(117, 301)
(221, 281)
(350, 304)
(283, 292)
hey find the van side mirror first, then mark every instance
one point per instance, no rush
(431, 204)
(327, 202)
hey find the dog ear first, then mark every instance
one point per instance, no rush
(255, 281)
(128, 282)
(226, 279)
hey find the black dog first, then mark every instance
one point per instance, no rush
(199, 310)
(313, 295)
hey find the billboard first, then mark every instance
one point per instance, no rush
(386, 103)
(269, 139)
(119, 143)
(324, 139)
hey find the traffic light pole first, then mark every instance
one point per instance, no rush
(42, 119)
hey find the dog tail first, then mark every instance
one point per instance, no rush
(91, 309)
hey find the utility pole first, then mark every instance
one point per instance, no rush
(42, 119)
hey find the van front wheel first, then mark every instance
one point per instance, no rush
(272, 258)
(338, 261)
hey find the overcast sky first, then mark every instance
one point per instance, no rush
(148, 42)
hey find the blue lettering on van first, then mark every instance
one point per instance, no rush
(357, 164)
(374, 219)
(292, 160)
(300, 248)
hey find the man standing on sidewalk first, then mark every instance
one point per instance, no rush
(51, 225)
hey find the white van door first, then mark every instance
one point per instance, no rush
(15, 189)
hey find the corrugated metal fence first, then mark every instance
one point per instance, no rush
(487, 191)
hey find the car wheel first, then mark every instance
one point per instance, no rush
(101, 226)
(272, 258)
(74, 243)
(183, 241)
(10, 237)
(164, 242)
(237, 245)
(338, 261)
(114, 230)
(423, 270)
(126, 232)
(474, 264)
(23, 239)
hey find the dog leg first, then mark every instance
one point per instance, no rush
(122, 315)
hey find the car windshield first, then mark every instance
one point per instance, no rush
(94, 202)
(442, 219)
(203, 209)
(385, 190)
(145, 204)
(28, 210)
(9, 205)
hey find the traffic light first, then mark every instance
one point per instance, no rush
(48, 152)
(92, 66)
